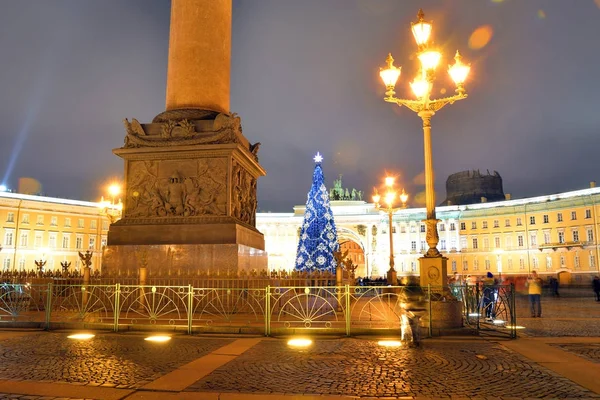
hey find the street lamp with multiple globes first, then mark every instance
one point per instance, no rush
(390, 198)
(112, 208)
(432, 265)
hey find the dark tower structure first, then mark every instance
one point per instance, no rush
(469, 187)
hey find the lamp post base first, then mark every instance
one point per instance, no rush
(392, 277)
(434, 272)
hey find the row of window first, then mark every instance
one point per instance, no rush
(496, 223)
(545, 217)
(532, 239)
(508, 241)
(9, 240)
(413, 229)
(54, 221)
(535, 263)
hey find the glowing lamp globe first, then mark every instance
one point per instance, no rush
(376, 198)
(390, 74)
(389, 181)
(430, 59)
(390, 197)
(459, 71)
(114, 189)
(419, 87)
(421, 30)
(403, 197)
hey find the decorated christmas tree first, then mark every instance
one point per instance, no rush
(318, 236)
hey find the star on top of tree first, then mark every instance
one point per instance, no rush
(318, 158)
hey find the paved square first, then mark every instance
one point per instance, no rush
(108, 360)
(355, 367)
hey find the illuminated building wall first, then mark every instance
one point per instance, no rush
(43, 228)
(554, 234)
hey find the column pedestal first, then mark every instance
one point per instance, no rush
(392, 277)
(434, 272)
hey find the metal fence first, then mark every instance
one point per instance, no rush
(270, 309)
(489, 309)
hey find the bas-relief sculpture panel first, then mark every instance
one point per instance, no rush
(176, 188)
(243, 202)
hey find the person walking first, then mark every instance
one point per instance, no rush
(455, 283)
(596, 286)
(554, 286)
(489, 296)
(534, 285)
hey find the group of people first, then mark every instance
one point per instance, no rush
(488, 285)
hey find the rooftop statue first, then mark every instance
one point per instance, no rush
(338, 193)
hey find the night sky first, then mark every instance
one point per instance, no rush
(305, 79)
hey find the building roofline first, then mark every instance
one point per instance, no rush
(453, 208)
(55, 200)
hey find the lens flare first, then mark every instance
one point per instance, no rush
(389, 343)
(158, 338)
(299, 342)
(541, 14)
(480, 37)
(81, 336)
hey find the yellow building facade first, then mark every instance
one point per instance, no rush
(51, 230)
(557, 235)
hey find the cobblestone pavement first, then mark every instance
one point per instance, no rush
(354, 367)
(574, 314)
(589, 351)
(109, 360)
(448, 367)
(7, 396)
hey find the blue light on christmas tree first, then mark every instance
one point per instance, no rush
(318, 236)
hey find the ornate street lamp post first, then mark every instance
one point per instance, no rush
(433, 267)
(112, 209)
(390, 198)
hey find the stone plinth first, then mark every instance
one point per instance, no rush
(445, 315)
(182, 260)
(434, 272)
(199, 55)
(190, 184)
(184, 233)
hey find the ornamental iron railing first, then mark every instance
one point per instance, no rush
(269, 309)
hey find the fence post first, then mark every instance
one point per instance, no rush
(190, 306)
(430, 328)
(513, 312)
(478, 305)
(117, 306)
(348, 314)
(48, 305)
(268, 310)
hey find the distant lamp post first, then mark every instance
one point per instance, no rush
(499, 253)
(432, 271)
(114, 190)
(86, 260)
(390, 198)
(112, 209)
